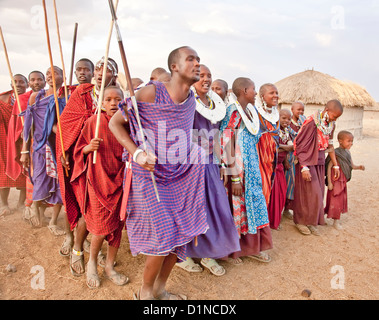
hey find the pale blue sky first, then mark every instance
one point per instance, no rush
(264, 40)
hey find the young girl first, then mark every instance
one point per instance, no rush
(279, 187)
(336, 199)
(98, 187)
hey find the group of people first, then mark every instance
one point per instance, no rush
(189, 169)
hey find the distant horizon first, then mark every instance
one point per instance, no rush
(266, 42)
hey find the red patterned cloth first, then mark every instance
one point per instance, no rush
(77, 111)
(14, 141)
(98, 187)
(5, 117)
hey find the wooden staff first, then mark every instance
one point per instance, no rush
(73, 52)
(11, 75)
(101, 95)
(60, 49)
(54, 84)
(130, 86)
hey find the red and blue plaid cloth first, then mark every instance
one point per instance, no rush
(160, 228)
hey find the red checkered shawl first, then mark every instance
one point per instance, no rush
(14, 141)
(106, 176)
(77, 111)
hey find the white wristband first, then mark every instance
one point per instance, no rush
(336, 167)
(305, 168)
(136, 153)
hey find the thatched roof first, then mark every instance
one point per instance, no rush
(313, 87)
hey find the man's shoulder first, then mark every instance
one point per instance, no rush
(146, 94)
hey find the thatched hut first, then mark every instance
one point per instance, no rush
(315, 89)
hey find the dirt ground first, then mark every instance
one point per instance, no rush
(338, 265)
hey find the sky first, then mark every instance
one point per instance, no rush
(263, 40)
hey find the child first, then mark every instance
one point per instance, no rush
(98, 188)
(297, 120)
(336, 199)
(279, 188)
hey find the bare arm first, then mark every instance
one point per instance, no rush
(118, 127)
(329, 176)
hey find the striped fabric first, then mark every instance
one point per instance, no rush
(161, 228)
(267, 150)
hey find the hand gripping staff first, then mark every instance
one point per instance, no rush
(130, 86)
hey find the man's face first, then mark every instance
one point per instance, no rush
(21, 84)
(57, 75)
(36, 81)
(83, 72)
(188, 65)
(99, 76)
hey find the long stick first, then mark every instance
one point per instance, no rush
(130, 86)
(101, 95)
(73, 52)
(54, 84)
(11, 75)
(60, 49)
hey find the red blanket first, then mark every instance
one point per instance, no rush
(106, 176)
(14, 141)
(77, 111)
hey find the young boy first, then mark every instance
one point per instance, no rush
(336, 199)
(279, 188)
(98, 187)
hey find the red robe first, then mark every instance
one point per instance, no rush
(99, 187)
(77, 111)
(336, 199)
(13, 167)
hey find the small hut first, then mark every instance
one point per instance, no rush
(315, 89)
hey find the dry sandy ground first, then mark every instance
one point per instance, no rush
(346, 258)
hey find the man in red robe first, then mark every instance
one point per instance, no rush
(310, 145)
(99, 187)
(7, 100)
(80, 107)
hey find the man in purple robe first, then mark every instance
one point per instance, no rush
(42, 170)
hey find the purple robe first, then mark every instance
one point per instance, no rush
(222, 237)
(160, 228)
(309, 195)
(45, 188)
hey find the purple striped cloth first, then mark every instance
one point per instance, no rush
(160, 228)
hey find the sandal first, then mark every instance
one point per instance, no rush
(189, 265)
(118, 279)
(95, 278)
(136, 296)
(236, 261)
(66, 247)
(55, 230)
(213, 266)
(261, 257)
(165, 295)
(79, 256)
(303, 229)
(314, 230)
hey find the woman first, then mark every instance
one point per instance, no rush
(240, 135)
(269, 141)
(221, 239)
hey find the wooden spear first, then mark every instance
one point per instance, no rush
(54, 84)
(73, 52)
(11, 75)
(130, 86)
(60, 49)
(101, 94)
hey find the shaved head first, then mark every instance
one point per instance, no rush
(174, 56)
(240, 84)
(285, 112)
(335, 105)
(344, 134)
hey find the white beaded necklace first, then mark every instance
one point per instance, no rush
(215, 114)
